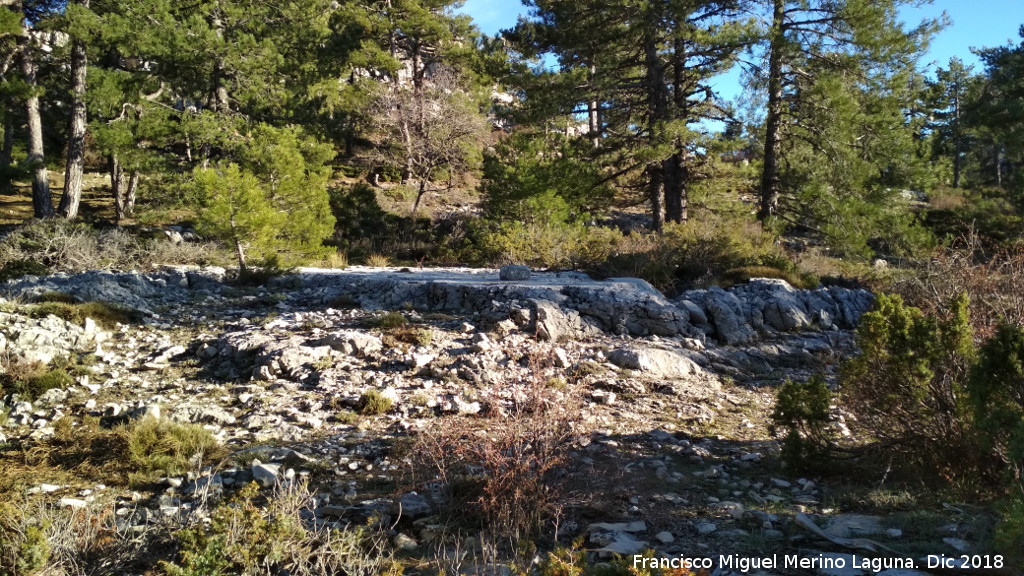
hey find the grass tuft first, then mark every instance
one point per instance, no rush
(106, 315)
(378, 261)
(167, 447)
(388, 321)
(373, 403)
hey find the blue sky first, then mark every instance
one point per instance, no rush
(974, 24)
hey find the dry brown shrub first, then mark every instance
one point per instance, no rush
(205, 253)
(504, 472)
(75, 247)
(58, 540)
(993, 279)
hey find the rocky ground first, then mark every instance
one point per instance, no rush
(670, 446)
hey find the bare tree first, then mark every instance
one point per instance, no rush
(428, 131)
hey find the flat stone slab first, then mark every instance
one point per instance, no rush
(627, 306)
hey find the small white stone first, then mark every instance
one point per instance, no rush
(73, 503)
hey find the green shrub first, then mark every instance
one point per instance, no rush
(541, 245)
(239, 539)
(34, 552)
(106, 315)
(531, 180)
(67, 312)
(1009, 535)
(695, 254)
(109, 315)
(906, 386)
(15, 374)
(245, 538)
(33, 379)
(410, 335)
(54, 379)
(803, 411)
(15, 269)
(996, 388)
(373, 403)
(986, 212)
(344, 302)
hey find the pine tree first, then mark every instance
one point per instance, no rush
(806, 41)
(951, 95)
(998, 112)
(639, 72)
(274, 205)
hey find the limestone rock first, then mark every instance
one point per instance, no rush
(514, 273)
(726, 312)
(412, 505)
(854, 526)
(265, 474)
(354, 343)
(655, 362)
(551, 323)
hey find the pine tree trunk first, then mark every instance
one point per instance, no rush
(676, 175)
(593, 119)
(676, 188)
(656, 190)
(770, 181)
(76, 134)
(131, 193)
(118, 187)
(242, 269)
(220, 102)
(657, 108)
(6, 152)
(999, 167)
(42, 201)
(239, 250)
(956, 135)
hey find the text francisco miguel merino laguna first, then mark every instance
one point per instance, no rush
(821, 561)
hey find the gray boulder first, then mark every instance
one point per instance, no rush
(726, 313)
(655, 362)
(412, 505)
(354, 343)
(290, 359)
(43, 339)
(554, 324)
(783, 308)
(514, 273)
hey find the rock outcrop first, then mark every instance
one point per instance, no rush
(553, 306)
(41, 340)
(739, 315)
